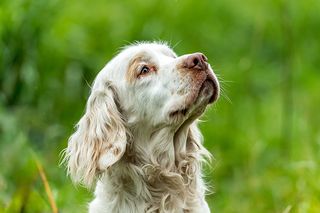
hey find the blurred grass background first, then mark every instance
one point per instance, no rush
(265, 140)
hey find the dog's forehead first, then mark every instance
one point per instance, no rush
(147, 48)
(117, 68)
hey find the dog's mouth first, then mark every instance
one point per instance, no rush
(181, 112)
(209, 88)
(208, 93)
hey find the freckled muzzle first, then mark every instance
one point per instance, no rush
(197, 63)
(203, 86)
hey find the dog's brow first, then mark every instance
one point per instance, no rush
(141, 57)
(134, 62)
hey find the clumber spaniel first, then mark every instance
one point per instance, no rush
(138, 140)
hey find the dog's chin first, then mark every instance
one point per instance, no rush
(207, 94)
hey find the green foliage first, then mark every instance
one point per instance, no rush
(265, 140)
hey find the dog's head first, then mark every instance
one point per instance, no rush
(145, 86)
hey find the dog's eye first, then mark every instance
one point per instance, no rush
(144, 70)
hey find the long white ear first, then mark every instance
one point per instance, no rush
(100, 137)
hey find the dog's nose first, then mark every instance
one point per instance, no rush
(196, 61)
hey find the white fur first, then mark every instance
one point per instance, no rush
(135, 143)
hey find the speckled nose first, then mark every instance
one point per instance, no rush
(196, 61)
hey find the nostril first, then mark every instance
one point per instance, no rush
(195, 61)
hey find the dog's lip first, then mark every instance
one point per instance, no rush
(182, 111)
(211, 80)
(215, 93)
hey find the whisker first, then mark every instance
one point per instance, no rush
(174, 46)
(87, 82)
(225, 96)
(224, 84)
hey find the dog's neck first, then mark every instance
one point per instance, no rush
(162, 167)
(156, 148)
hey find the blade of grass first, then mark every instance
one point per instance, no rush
(46, 186)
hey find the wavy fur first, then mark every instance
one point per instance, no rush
(137, 142)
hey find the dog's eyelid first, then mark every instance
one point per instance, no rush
(152, 68)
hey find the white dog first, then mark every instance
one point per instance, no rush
(138, 140)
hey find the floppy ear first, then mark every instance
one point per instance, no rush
(100, 137)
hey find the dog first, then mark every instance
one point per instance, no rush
(138, 142)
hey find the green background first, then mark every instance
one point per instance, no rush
(264, 131)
